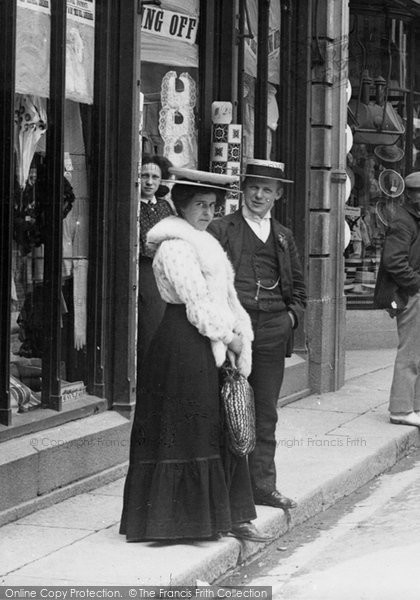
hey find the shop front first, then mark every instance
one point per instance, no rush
(85, 88)
(69, 155)
(383, 115)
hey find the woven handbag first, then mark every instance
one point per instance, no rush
(238, 402)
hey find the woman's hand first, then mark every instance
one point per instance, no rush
(236, 344)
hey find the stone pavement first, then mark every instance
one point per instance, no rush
(328, 446)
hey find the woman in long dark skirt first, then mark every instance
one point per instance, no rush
(182, 482)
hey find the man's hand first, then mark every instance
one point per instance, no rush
(292, 318)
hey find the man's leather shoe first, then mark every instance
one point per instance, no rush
(248, 531)
(274, 498)
(405, 419)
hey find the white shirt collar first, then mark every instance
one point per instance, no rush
(148, 201)
(247, 214)
(261, 226)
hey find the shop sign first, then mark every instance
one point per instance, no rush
(33, 33)
(168, 24)
(82, 11)
(77, 10)
(38, 5)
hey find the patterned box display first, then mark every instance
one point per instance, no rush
(235, 134)
(220, 133)
(234, 168)
(226, 154)
(220, 152)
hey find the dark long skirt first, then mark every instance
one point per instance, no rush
(182, 481)
(151, 307)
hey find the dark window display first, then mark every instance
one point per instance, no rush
(379, 114)
(32, 204)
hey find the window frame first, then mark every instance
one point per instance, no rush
(104, 112)
(7, 92)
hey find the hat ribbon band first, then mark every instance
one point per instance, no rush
(263, 171)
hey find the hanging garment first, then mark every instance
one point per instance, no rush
(30, 125)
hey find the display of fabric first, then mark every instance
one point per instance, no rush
(30, 125)
(168, 125)
(177, 120)
(250, 61)
(80, 45)
(76, 225)
(80, 272)
(33, 34)
(30, 206)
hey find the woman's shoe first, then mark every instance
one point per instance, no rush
(247, 531)
(405, 419)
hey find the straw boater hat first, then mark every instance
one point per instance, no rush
(412, 181)
(265, 169)
(389, 153)
(202, 178)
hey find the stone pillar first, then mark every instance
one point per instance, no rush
(326, 307)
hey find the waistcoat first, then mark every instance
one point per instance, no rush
(259, 264)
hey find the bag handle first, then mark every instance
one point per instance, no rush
(232, 358)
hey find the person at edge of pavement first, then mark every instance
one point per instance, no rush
(270, 286)
(182, 481)
(399, 271)
(153, 208)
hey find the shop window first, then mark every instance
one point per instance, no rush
(249, 80)
(169, 80)
(32, 208)
(384, 123)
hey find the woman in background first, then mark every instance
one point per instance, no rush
(153, 208)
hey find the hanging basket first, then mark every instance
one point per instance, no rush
(375, 124)
(391, 183)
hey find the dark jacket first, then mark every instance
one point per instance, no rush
(229, 230)
(399, 270)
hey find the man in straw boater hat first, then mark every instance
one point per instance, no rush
(398, 291)
(270, 285)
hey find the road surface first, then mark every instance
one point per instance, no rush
(366, 547)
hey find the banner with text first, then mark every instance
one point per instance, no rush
(169, 24)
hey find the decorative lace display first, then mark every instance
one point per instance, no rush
(177, 120)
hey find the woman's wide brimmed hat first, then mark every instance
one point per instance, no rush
(265, 169)
(202, 178)
(389, 153)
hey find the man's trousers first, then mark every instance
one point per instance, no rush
(271, 334)
(405, 388)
